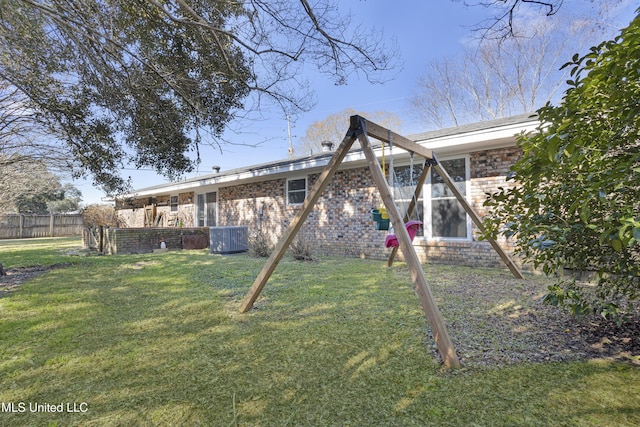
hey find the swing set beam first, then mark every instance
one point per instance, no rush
(430, 308)
(477, 220)
(384, 135)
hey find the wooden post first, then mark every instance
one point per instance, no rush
(298, 220)
(51, 225)
(476, 219)
(411, 207)
(445, 346)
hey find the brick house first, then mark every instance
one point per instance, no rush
(265, 197)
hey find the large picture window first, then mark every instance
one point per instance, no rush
(448, 218)
(296, 191)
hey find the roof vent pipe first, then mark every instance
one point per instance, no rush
(327, 146)
(216, 169)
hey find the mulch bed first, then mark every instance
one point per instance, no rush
(495, 320)
(618, 342)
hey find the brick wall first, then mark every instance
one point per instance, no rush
(340, 223)
(489, 171)
(145, 240)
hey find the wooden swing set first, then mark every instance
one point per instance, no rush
(361, 129)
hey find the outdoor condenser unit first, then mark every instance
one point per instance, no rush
(229, 240)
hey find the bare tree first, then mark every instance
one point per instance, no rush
(101, 215)
(142, 82)
(23, 182)
(506, 19)
(22, 139)
(334, 127)
(496, 78)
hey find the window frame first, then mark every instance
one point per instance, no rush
(171, 205)
(288, 192)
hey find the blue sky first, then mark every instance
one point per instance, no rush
(425, 30)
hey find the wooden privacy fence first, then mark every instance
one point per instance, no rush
(17, 226)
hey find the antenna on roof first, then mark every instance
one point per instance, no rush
(289, 133)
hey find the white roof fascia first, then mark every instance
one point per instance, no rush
(485, 139)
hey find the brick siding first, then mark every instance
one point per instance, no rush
(340, 223)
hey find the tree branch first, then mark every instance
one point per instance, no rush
(508, 10)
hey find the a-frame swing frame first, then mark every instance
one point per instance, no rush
(361, 129)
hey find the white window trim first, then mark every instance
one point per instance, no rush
(306, 189)
(428, 232)
(177, 203)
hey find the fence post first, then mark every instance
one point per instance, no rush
(51, 221)
(20, 225)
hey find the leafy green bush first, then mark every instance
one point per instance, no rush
(576, 199)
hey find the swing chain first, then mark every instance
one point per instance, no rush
(391, 170)
(411, 168)
(411, 183)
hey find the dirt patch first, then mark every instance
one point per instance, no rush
(14, 277)
(612, 341)
(494, 319)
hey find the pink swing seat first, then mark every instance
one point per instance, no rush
(391, 241)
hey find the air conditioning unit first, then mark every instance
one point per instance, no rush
(229, 240)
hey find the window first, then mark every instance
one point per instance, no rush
(174, 203)
(296, 191)
(448, 218)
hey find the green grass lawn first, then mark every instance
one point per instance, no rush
(157, 340)
(43, 251)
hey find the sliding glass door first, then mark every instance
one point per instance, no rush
(207, 209)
